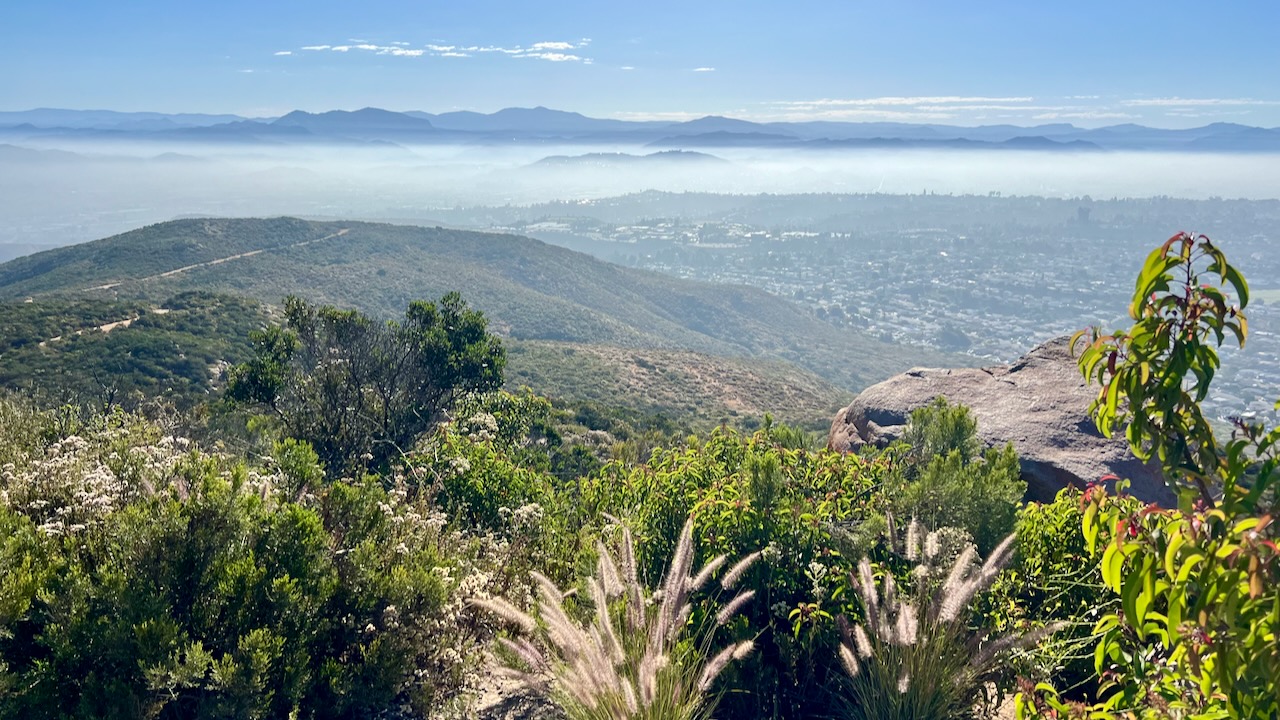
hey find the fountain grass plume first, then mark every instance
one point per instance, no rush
(915, 656)
(627, 661)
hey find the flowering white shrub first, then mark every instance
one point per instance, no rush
(139, 573)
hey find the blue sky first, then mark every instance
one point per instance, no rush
(1170, 64)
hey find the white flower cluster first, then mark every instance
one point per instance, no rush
(79, 481)
(816, 573)
(459, 465)
(481, 427)
(526, 519)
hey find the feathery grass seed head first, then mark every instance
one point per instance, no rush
(739, 569)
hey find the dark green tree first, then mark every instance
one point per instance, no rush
(360, 391)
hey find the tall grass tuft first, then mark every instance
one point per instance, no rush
(914, 655)
(637, 657)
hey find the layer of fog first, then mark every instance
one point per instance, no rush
(54, 195)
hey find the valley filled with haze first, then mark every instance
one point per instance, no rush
(63, 185)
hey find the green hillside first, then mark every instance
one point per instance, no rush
(701, 389)
(529, 290)
(122, 351)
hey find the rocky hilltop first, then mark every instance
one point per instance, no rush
(1039, 403)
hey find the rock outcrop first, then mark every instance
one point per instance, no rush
(1039, 403)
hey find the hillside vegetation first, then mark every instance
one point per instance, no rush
(123, 352)
(694, 387)
(119, 352)
(529, 290)
(363, 524)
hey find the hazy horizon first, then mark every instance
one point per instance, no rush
(106, 187)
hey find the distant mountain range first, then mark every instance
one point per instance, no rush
(544, 125)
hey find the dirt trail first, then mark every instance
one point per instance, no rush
(219, 261)
(108, 327)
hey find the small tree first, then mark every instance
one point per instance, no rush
(361, 391)
(948, 480)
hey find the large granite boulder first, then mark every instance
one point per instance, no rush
(1039, 403)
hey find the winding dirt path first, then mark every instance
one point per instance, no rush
(219, 261)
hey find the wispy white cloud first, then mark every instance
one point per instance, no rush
(663, 116)
(1190, 113)
(551, 56)
(977, 108)
(1195, 102)
(704, 69)
(284, 52)
(549, 50)
(860, 115)
(627, 67)
(953, 108)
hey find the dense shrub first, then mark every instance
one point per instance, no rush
(1053, 578)
(946, 481)
(362, 392)
(142, 578)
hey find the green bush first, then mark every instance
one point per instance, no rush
(362, 392)
(142, 578)
(945, 480)
(1053, 579)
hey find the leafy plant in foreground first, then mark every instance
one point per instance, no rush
(1053, 578)
(142, 578)
(632, 660)
(1196, 635)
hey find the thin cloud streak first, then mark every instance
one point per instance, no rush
(1085, 115)
(552, 56)
(1195, 102)
(548, 50)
